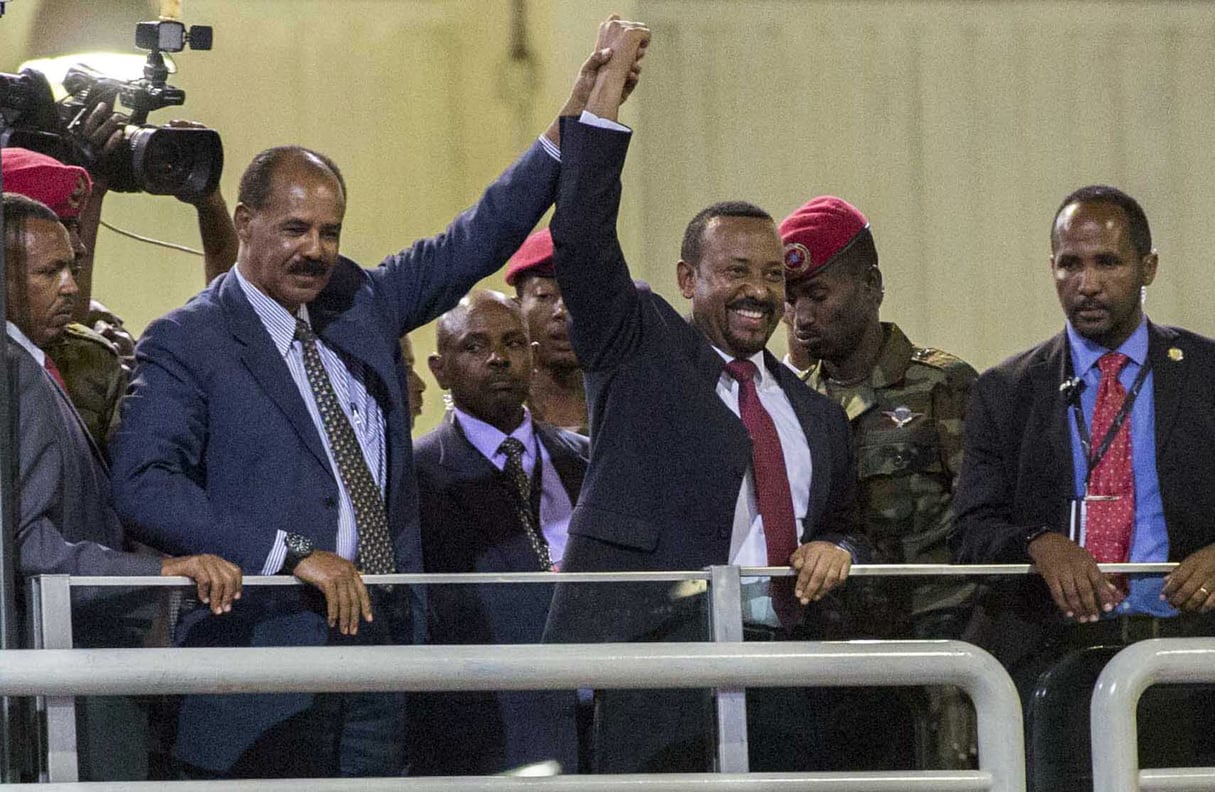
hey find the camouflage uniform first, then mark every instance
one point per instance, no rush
(95, 377)
(906, 422)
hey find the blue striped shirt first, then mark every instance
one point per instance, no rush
(346, 376)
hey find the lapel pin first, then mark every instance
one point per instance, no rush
(1176, 355)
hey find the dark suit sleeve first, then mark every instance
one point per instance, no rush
(983, 500)
(42, 486)
(158, 468)
(429, 277)
(840, 523)
(594, 278)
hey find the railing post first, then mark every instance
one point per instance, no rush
(725, 617)
(50, 604)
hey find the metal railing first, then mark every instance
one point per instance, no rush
(60, 672)
(51, 606)
(1115, 701)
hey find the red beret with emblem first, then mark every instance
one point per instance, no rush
(817, 233)
(64, 188)
(535, 257)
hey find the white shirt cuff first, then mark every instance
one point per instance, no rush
(591, 119)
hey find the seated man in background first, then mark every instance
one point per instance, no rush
(66, 522)
(558, 395)
(1096, 446)
(906, 406)
(495, 492)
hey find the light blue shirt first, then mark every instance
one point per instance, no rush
(555, 506)
(346, 377)
(1149, 537)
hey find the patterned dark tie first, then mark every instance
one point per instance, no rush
(513, 449)
(1111, 487)
(375, 549)
(771, 487)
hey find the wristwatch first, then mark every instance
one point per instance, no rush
(299, 547)
(1034, 533)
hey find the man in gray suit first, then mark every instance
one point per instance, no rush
(66, 522)
(66, 519)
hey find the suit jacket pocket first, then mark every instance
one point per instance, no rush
(613, 527)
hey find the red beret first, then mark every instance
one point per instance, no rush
(535, 257)
(64, 188)
(817, 232)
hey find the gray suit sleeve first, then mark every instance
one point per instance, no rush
(48, 492)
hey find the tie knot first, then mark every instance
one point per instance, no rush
(302, 331)
(742, 370)
(512, 448)
(1112, 363)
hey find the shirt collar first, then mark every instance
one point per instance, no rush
(21, 338)
(486, 438)
(761, 373)
(278, 321)
(1086, 353)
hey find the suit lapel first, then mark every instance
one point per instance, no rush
(267, 366)
(563, 457)
(1169, 378)
(1050, 414)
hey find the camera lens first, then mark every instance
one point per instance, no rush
(182, 162)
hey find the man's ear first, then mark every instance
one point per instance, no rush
(874, 281)
(241, 218)
(685, 274)
(435, 364)
(1150, 262)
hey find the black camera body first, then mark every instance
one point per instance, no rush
(161, 160)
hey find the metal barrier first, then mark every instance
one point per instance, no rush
(1115, 735)
(50, 603)
(59, 672)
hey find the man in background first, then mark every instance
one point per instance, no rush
(558, 395)
(495, 491)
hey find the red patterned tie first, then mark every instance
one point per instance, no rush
(771, 487)
(1111, 488)
(53, 370)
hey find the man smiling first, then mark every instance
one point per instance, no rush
(705, 449)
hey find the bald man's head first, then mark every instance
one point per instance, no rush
(484, 358)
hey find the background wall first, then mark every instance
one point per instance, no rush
(955, 126)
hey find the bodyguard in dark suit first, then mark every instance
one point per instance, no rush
(704, 449)
(1111, 392)
(473, 520)
(268, 419)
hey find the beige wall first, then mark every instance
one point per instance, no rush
(956, 126)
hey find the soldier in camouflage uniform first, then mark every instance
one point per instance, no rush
(95, 377)
(906, 405)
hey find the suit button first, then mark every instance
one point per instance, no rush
(723, 533)
(330, 502)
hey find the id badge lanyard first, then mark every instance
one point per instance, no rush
(1093, 456)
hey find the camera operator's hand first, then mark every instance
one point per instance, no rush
(220, 243)
(102, 129)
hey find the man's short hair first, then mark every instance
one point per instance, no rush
(18, 211)
(1137, 222)
(693, 235)
(256, 181)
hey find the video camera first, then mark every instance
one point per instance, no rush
(162, 160)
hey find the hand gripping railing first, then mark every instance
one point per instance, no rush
(1116, 698)
(57, 672)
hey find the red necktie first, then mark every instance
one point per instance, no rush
(771, 487)
(53, 370)
(1111, 487)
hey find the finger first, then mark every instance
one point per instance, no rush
(810, 581)
(202, 584)
(331, 603)
(1073, 605)
(348, 608)
(1056, 593)
(1090, 605)
(1192, 596)
(364, 598)
(1108, 594)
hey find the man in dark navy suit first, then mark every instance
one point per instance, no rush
(477, 517)
(705, 449)
(267, 421)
